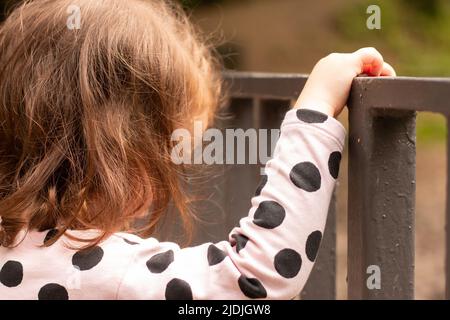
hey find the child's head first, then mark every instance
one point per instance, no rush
(86, 115)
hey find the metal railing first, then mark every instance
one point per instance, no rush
(381, 181)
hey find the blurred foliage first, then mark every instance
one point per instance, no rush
(428, 7)
(431, 128)
(415, 32)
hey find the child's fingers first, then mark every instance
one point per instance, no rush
(388, 70)
(369, 61)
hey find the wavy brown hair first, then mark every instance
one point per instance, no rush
(86, 115)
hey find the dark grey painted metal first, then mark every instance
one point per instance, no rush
(408, 93)
(265, 85)
(381, 198)
(404, 93)
(321, 284)
(227, 197)
(242, 180)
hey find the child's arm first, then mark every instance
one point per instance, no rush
(271, 253)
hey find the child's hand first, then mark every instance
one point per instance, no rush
(329, 83)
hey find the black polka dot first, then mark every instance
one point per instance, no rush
(11, 274)
(130, 242)
(288, 262)
(241, 241)
(215, 255)
(313, 244)
(88, 258)
(178, 289)
(252, 288)
(50, 235)
(333, 163)
(53, 291)
(269, 215)
(311, 116)
(262, 183)
(306, 176)
(159, 262)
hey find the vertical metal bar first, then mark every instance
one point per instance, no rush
(272, 112)
(240, 180)
(321, 283)
(381, 201)
(270, 115)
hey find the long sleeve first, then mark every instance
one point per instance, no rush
(272, 251)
